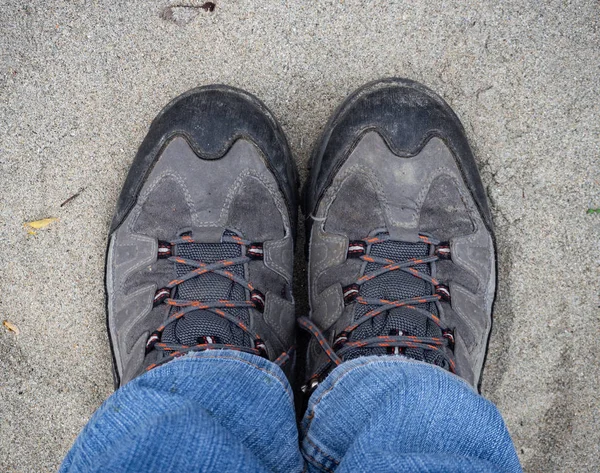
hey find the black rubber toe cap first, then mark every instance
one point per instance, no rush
(211, 119)
(407, 115)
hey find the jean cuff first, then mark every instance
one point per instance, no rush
(247, 359)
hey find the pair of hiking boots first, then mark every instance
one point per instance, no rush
(401, 258)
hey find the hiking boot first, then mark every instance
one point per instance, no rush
(201, 244)
(400, 240)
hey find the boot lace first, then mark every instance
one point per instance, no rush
(396, 342)
(225, 308)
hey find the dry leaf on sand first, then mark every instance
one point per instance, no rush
(37, 224)
(11, 327)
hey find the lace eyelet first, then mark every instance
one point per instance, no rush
(339, 342)
(258, 299)
(356, 249)
(350, 292)
(153, 339)
(310, 386)
(448, 334)
(255, 251)
(165, 249)
(442, 251)
(261, 347)
(161, 295)
(443, 292)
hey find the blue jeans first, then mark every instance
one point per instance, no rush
(232, 411)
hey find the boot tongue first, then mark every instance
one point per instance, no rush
(396, 286)
(194, 325)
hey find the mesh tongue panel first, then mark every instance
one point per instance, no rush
(395, 286)
(208, 287)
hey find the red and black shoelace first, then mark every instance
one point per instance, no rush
(342, 344)
(250, 251)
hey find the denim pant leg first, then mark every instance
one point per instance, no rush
(393, 414)
(210, 411)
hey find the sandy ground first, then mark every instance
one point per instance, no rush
(80, 82)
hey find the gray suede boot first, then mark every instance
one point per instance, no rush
(201, 244)
(401, 249)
